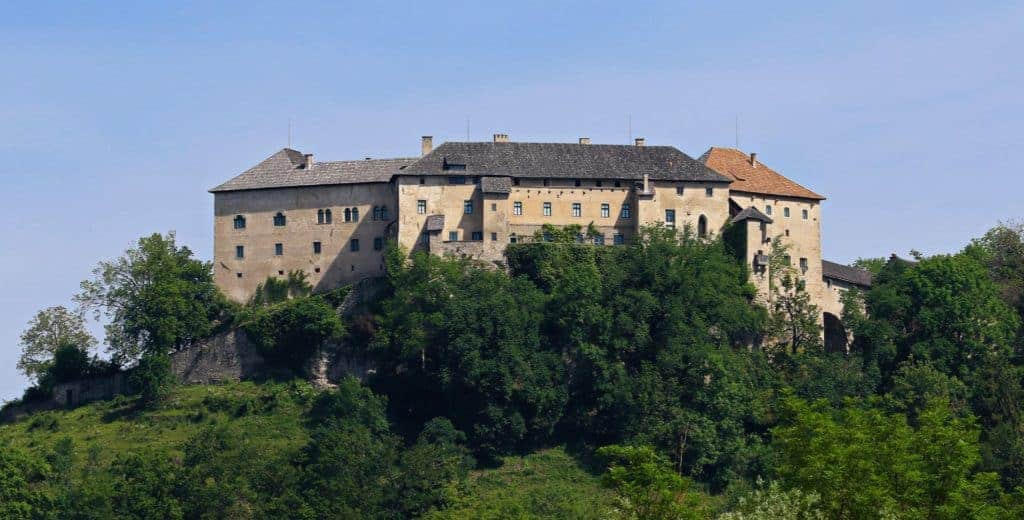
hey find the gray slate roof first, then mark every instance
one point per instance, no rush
(751, 213)
(845, 273)
(435, 222)
(286, 168)
(496, 185)
(564, 160)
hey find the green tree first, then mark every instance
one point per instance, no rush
(275, 290)
(51, 329)
(143, 487)
(23, 493)
(794, 321)
(156, 297)
(774, 503)
(434, 469)
(290, 333)
(647, 486)
(152, 378)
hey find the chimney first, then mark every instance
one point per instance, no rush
(584, 140)
(753, 159)
(426, 145)
(640, 141)
(647, 183)
(309, 161)
(501, 138)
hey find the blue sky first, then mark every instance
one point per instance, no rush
(115, 118)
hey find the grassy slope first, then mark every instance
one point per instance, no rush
(546, 484)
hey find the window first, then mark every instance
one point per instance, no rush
(547, 209)
(239, 222)
(512, 238)
(624, 212)
(355, 214)
(598, 240)
(618, 239)
(327, 216)
(577, 182)
(383, 213)
(279, 219)
(545, 182)
(787, 232)
(239, 251)
(319, 216)
(679, 190)
(316, 269)
(376, 213)
(467, 207)
(786, 260)
(348, 215)
(494, 237)
(494, 206)
(422, 180)
(421, 207)
(709, 192)
(316, 248)
(456, 180)
(517, 208)
(606, 210)
(238, 275)
(670, 218)
(353, 245)
(618, 183)
(803, 213)
(577, 209)
(278, 249)
(768, 210)
(702, 226)
(803, 265)
(378, 243)
(453, 236)
(579, 238)
(478, 235)
(785, 212)
(598, 183)
(424, 238)
(515, 182)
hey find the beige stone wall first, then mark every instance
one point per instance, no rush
(335, 265)
(803, 238)
(689, 205)
(441, 199)
(562, 194)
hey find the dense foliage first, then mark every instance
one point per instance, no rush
(651, 362)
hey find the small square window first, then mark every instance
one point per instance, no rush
(679, 190)
(494, 206)
(421, 207)
(547, 209)
(316, 269)
(517, 208)
(239, 275)
(577, 209)
(598, 240)
(239, 222)
(578, 182)
(378, 243)
(467, 207)
(478, 235)
(353, 245)
(453, 236)
(618, 239)
(280, 273)
(598, 183)
(422, 180)
(624, 212)
(803, 264)
(278, 249)
(316, 248)
(803, 213)
(618, 184)
(239, 251)
(494, 237)
(768, 210)
(670, 217)
(515, 182)
(606, 210)
(709, 192)
(785, 212)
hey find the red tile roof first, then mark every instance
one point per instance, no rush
(752, 177)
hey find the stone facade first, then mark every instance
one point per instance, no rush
(472, 199)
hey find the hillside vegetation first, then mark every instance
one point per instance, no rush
(641, 381)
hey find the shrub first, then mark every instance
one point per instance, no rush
(290, 333)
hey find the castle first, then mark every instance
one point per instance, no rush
(332, 219)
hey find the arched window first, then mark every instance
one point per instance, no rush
(279, 219)
(383, 212)
(702, 226)
(355, 214)
(348, 215)
(327, 216)
(319, 216)
(239, 222)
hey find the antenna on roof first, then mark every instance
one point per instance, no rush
(737, 132)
